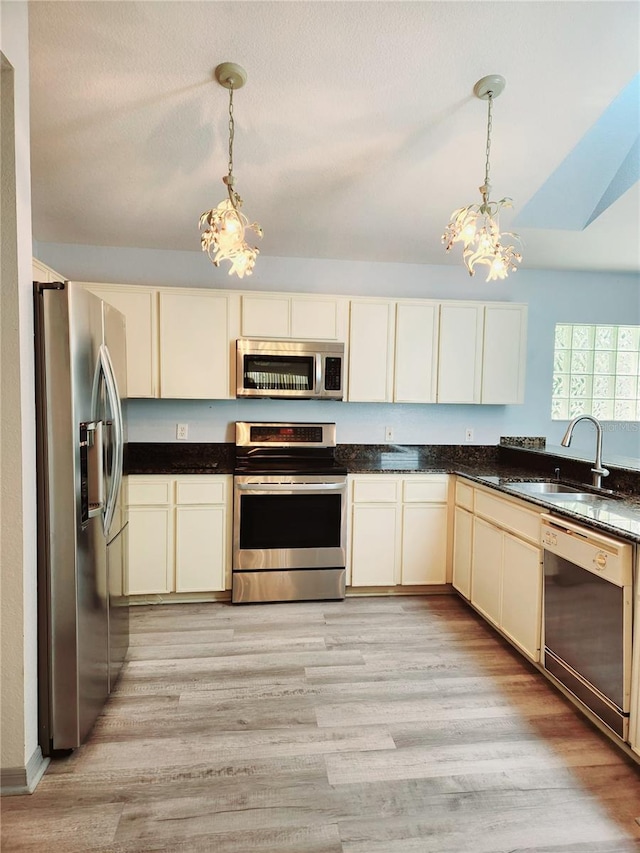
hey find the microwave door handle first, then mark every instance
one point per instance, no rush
(319, 371)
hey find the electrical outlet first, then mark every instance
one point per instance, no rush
(388, 433)
(182, 431)
(468, 434)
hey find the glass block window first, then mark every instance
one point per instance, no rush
(596, 371)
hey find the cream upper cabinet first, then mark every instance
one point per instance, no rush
(460, 353)
(139, 306)
(416, 352)
(504, 353)
(371, 350)
(41, 272)
(297, 317)
(482, 352)
(194, 345)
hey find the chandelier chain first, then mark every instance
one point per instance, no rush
(489, 126)
(231, 131)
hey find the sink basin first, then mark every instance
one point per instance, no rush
(541, 488)
(556, 492)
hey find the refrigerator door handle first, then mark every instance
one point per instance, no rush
(95, 469)
(105, 371)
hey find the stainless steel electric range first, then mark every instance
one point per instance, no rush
(289, 514)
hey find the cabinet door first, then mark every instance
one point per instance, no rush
(374, 546)
(194, 346)
(139, 309)
(41, 272)
(462, 550)
(314, 318)
(486, 570)
(416, 356)
(460, 353)
(424, 544)
(150, 550)
(504, 353)
(370, 351)
(521, 617)
(265, 317)
(200, 548)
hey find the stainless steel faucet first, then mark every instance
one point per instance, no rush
(598, 471)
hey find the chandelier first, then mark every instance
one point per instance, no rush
(225, 227)
(476, 226)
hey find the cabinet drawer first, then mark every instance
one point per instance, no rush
(425, 491)
(149, 492)
(517, 519)
(464, 496)
(201, 491)
(375, 491)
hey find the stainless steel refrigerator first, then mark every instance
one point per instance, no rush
(83, 620)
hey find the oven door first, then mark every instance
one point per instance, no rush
(289, 522)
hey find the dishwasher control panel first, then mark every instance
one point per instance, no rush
(602, 555)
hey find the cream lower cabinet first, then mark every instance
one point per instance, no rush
(462, 550)
(179, 533)
(398, 530)
(506, 570)
(462, 538)
(634, 721)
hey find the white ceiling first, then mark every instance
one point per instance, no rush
(357, 133)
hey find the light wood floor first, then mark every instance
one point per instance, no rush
(373, 725)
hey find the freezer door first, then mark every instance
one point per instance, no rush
(72, 579)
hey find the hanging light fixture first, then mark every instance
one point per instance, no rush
(476, 226)
(225, 226)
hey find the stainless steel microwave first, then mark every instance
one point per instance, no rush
(290, 369)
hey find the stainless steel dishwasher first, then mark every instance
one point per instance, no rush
(588, 608)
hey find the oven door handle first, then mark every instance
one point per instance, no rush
(289, 487)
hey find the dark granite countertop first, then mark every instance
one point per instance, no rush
(179, 458)
(491, 466)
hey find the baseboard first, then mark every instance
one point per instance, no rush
(23, 780)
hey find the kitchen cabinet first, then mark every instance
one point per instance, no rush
(506, 569)
(139, 306)
(296, 317)
(481, 353)
(416, 352)
(504, 353)
(195, 345)
(179, 533)
(634, 716)
(462, 550)
(398, 530)
(375, 542)
(41, 272)
(371, 350)
(460, 353)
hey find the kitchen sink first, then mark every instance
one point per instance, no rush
(536, 487)
(556, 492)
